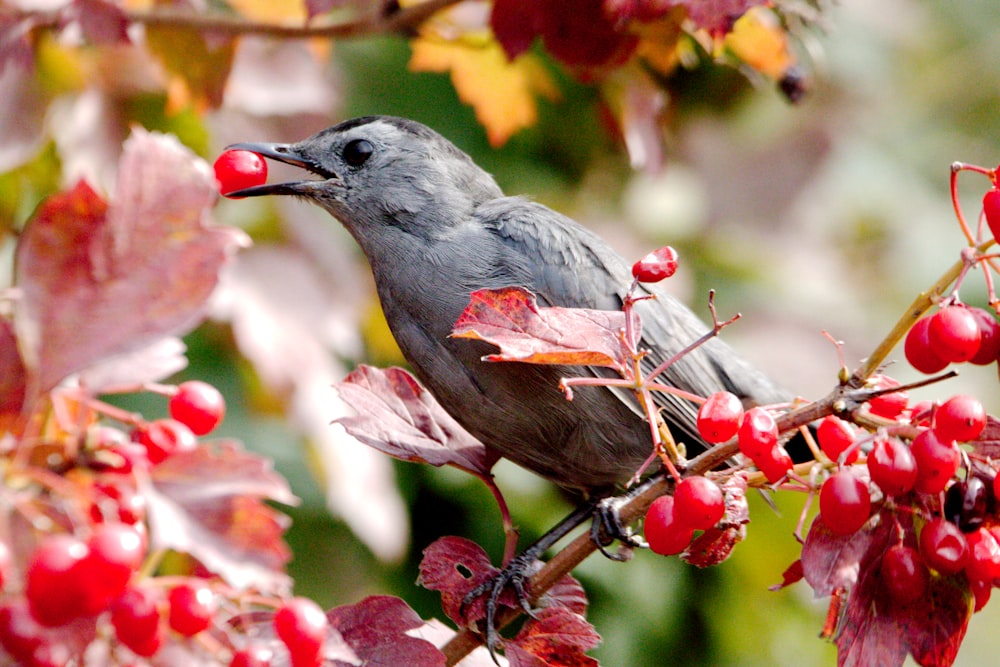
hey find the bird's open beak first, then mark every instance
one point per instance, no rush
(282, 153)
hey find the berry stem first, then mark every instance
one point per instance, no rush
(924, 302)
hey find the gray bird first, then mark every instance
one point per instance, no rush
(435, 227)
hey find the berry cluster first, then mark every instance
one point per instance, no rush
(950, 493)
(85, 580)
(671, 521)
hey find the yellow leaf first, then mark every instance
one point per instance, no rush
(269, 11)
(501, 92)
(759, 40)
(659, 40)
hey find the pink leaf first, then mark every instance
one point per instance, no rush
(100, 279)
(208, 502)
(511, 319)
(12, 377)
(402, 419)
(556, 637)
(376, 630)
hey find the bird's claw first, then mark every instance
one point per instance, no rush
(515, 575)
(607, 527)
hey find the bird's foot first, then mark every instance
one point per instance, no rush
(514, 576)
(607, 527)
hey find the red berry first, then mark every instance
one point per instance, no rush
(20, 633)
(236, 170)
(774, 463)
(836, 436)
(922, 413)
(719, 417)
(991, 209)
(198, 405)
(889, 405)
(937, 461)
(758, 433)
(115, 552)
(919, 351)
(302, 626)
(960, 418)
(6, 565)
(656, 266)
(980, 593)
(53, 584)
(892, 466)
(666, 536)
(252, 656)
(904, 573)
(954, 333)
(984, 556)
(136, 619)
(699, 503)
(164, 437)
(192, 606)
(844, 503)
(943, 546)
(989, 337)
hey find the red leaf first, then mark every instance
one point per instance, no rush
(556, 637)
(12, 377)
(100, 279)
(792, 574)
(717, 16)
(511, 319)
(453, 566)
(207, 502)
(515, 24)
(101, 21)
(832, 561)
(567, 593)
(376, 629)
(399, 417)
(987, 444)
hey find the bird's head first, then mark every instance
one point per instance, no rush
(381, 170)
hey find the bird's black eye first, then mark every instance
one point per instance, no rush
(357, 152)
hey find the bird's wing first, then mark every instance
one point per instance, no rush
(571, 266)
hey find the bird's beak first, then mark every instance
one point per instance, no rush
(282, 153)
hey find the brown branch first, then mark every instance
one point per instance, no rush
(400, 21)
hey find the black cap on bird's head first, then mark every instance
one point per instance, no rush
(380, 170)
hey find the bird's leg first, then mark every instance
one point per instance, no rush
(516, 572)
(606, 527)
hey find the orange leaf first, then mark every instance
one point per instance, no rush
(759, 40)
(502, 93)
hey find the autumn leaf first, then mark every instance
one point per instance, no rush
(453, 566)
(555, 637)
(502, 93)
(208, 502)
(12, 377)
(759, 40)
(511, 319)
(100, 278)
(198, 65)
(399, 417)
(378, 628)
